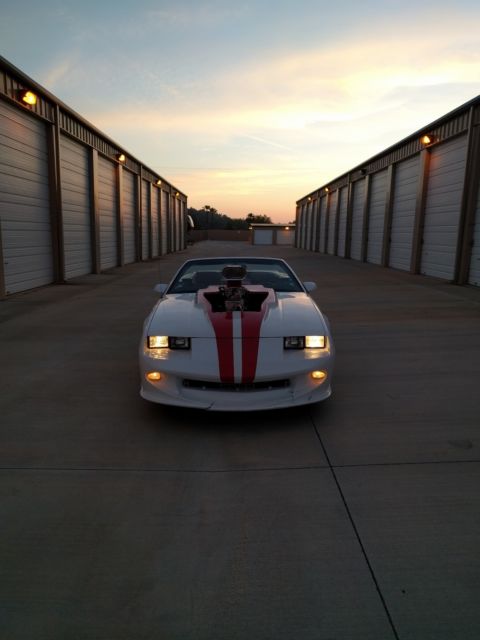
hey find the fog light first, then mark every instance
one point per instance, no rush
(154, 376)
(319, 376)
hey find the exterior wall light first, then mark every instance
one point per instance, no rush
(27, 97)
(309, 198)
(158, 183)
(327, 189)
(428, 139)
(121, 157)
(287, 228)
(177, 195)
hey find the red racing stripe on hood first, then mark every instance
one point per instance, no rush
(251, 325)
(222, 324)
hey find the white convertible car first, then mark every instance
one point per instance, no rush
(236, 334)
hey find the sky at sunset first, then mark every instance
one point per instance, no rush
(247, 106)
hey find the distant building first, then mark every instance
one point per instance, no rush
(273, 234)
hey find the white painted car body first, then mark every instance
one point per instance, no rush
(236, 360)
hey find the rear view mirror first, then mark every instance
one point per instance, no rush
(309, 286)
(160, 288)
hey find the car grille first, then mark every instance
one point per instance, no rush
(267, 385)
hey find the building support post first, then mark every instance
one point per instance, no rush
(55, 188)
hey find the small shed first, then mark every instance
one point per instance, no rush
(283, 234)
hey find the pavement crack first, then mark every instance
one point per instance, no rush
(356, 531)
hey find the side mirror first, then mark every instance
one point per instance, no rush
(160, 288)
(309, 286)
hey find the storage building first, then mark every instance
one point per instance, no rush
(414, 206)
(72, 201)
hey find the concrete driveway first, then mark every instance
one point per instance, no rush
(358, 518)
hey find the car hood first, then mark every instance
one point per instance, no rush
(187, 315)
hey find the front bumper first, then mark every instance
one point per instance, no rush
(301, 390)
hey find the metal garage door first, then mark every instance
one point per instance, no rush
(128, 217)
(77, 227)
(263, 236)
(313, 234)
(474, 274)
(171, 222)
(358, 205)
(376, 217)
(179, 225)
(155, 222)
(332, 219)
(302, 226)
(145, 219)
(442, 208)
(403, 212)
(164, 223)
(323, 224)
(308, 225)
(24, 201)
(286, 236)
(107, 208)
(342, 222)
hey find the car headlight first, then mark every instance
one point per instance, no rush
(315, 342)
(304, 342)
(168, 342)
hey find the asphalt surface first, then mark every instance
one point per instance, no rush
(358, 518)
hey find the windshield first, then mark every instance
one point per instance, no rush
(199, 274)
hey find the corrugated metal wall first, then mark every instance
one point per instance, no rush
(331, 222)
(358, 207)
(69, 205)
(474, 272)
(414, 207)
(107, 209)
(24, 201)
(145, 220)
(403, 213)
(77, 214)
(164, 223)
(155, 223)
(442, 208)
(129, 216)
(322, 236)
(376, 217)
(342, 221)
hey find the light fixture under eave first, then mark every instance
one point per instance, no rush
(158, 183)
(27, 97)
(428, 139)
(121, 157)
(309, 198)
(177, 195)
(326, 189)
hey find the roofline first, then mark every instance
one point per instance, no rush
(412, 136)
(23, 77)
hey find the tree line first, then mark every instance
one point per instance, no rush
(209, 218)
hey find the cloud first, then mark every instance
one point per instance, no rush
(306, 115)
